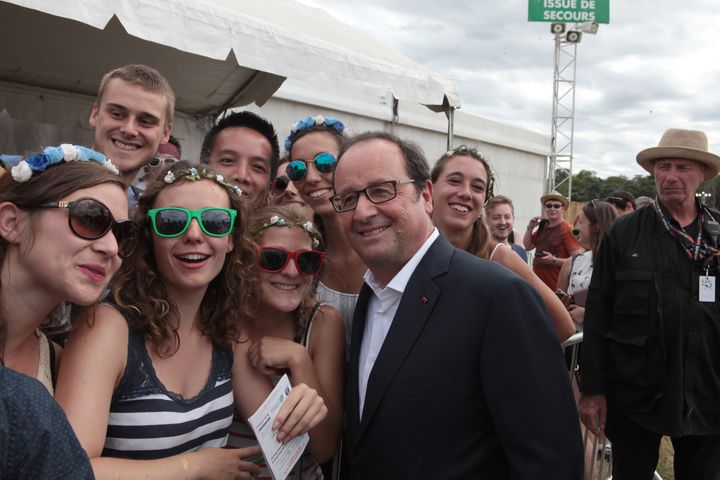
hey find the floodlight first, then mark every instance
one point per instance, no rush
(557, 28)
(588, 27)
(573, 36)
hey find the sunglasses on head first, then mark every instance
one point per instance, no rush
(324, 163)
(275, 259)
(280, 184)
(174, 221)
(553, 205)
(90, 219)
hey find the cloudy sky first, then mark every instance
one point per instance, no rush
(655, 66)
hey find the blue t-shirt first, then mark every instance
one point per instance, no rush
(519, 250)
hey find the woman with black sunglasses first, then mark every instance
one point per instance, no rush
(291, 331)
(313, 146)
(149, 385)
(284, 192)
(59, 242)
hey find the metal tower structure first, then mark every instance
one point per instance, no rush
(563, 112)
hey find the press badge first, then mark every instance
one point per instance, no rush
(706, 288)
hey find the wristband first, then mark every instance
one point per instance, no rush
(554, 259)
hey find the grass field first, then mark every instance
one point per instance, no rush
(665, 464)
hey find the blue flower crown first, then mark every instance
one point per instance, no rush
(309, 122)
(25, 169)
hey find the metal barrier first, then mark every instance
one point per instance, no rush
(601, 457)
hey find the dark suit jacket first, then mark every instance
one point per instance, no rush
(469, 383)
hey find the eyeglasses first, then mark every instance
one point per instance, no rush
(377, 193)
(90, 219)
(174, 221)
(553, 205)
(280, 184)
(324, 163)
(275, 259)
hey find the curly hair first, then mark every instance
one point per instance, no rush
(480, 238)
(229, 300)
(257, 225)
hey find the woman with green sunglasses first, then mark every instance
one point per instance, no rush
(150, 386)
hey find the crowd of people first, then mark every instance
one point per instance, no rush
(158, 299)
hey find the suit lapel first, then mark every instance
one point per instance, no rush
(415, 308)
(358, 328)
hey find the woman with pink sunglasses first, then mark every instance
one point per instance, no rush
(291, 331)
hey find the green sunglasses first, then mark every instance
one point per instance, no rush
(174, 221)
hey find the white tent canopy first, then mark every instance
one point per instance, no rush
(217, 54)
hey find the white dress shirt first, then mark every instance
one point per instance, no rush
(381, 311)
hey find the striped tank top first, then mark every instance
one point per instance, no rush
(147, 422)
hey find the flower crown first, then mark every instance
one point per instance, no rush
(24, 170)
(193, 175)
(307, 225)
(309, 122)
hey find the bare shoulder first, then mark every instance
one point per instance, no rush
(327, 324)
(511, 260)
(328, 329)
(105, 321)
(328, 316)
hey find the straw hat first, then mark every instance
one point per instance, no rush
(554, 195)
(684, 144)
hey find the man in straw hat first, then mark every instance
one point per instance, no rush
(553, 241)
(652, 322)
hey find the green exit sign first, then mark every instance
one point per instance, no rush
(571, 11)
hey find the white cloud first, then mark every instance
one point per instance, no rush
(655, 66)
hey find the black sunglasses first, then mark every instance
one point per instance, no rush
(324, 163)
(90, 219)
(553, 205)
(280, 184)
(275, 259)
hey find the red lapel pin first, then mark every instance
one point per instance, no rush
(424, 299)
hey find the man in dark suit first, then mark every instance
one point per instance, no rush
(455, 372)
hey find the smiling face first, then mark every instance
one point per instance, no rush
(284, 290)
(242, 156)
(585, 228)
(316, 188)
(290, 196)
(130, 123)
(459, 193)
(60, 263)
(554, 210)
(189, 262)
(677, 180)
(501, 220)
(385, 235)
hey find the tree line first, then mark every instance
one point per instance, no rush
(586, 186)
